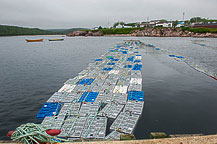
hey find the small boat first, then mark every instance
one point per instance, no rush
(56, 39)
(35, 40)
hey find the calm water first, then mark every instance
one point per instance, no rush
(178, 99)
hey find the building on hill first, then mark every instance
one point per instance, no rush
(208, 25)
(95, 28)
(164, 24)
(127, 26)
(119, 26)
(180, 24)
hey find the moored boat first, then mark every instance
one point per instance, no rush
(35, 40)
(60, 39)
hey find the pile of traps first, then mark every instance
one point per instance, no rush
(109, 90)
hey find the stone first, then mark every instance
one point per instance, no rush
(157, 135)
(127, 137)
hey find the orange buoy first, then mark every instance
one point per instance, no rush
(9, 134)
(53, 132)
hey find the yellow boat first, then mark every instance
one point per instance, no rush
(59, 39)
(36, 40)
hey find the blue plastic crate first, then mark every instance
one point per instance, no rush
(124, 52)
(107, 69)
(172, 56)
(137, 67)
(114, 59)
(128, 66)
(136, 95)
(98, 60)
(130, 58)
(88, 97)
(181, 57)
(138, 55)
(48, 109)
(137, 61)
(86, 81)
(136, 52)
(110, 63)
(150, 45)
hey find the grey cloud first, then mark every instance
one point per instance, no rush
(90, 13)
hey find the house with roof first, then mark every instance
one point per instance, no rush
(119, 26)
(180, 24)
(164, 24)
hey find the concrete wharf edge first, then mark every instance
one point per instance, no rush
(209, 139)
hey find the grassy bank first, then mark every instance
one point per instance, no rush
(15, 31)
(111, 31)
(119, 31)
(200, 30)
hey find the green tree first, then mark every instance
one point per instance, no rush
(116, 24)
(175, 23)
(121, 23)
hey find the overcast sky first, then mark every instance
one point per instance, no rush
(90, 13)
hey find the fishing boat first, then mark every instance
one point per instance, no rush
(35, 40)
(60, 39)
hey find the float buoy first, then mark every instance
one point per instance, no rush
(213, 77)
(53, 132)
(9, 134)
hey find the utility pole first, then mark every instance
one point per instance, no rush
(183, 18)
(147, 21)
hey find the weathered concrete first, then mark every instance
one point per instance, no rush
(210, 139)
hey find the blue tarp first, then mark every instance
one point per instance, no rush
(107, 69)
(110, 63)
(137, 61)
(130, 58)
(114, 59)
(180, 57)
(88, 97)
(98, 60)
(86, 81)
(172, 55)
(48, 110)
(136, 95)
(150, 45)
(137, 67)
(128, 66)
(124, 52)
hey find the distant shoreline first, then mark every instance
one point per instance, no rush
(33, 35)
(150, 32)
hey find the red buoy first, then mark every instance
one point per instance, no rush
(53, 132)
(213, 77)
(9, 134)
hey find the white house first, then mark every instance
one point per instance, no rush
(180, 24)
(125, 26)
(119, 26)
(164, 24)
(142, 25)
(95, 28)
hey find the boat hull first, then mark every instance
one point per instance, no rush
(36, 40)
(56, 39)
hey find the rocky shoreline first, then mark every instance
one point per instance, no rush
(149, 32)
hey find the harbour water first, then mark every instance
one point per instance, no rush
(178, 99)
